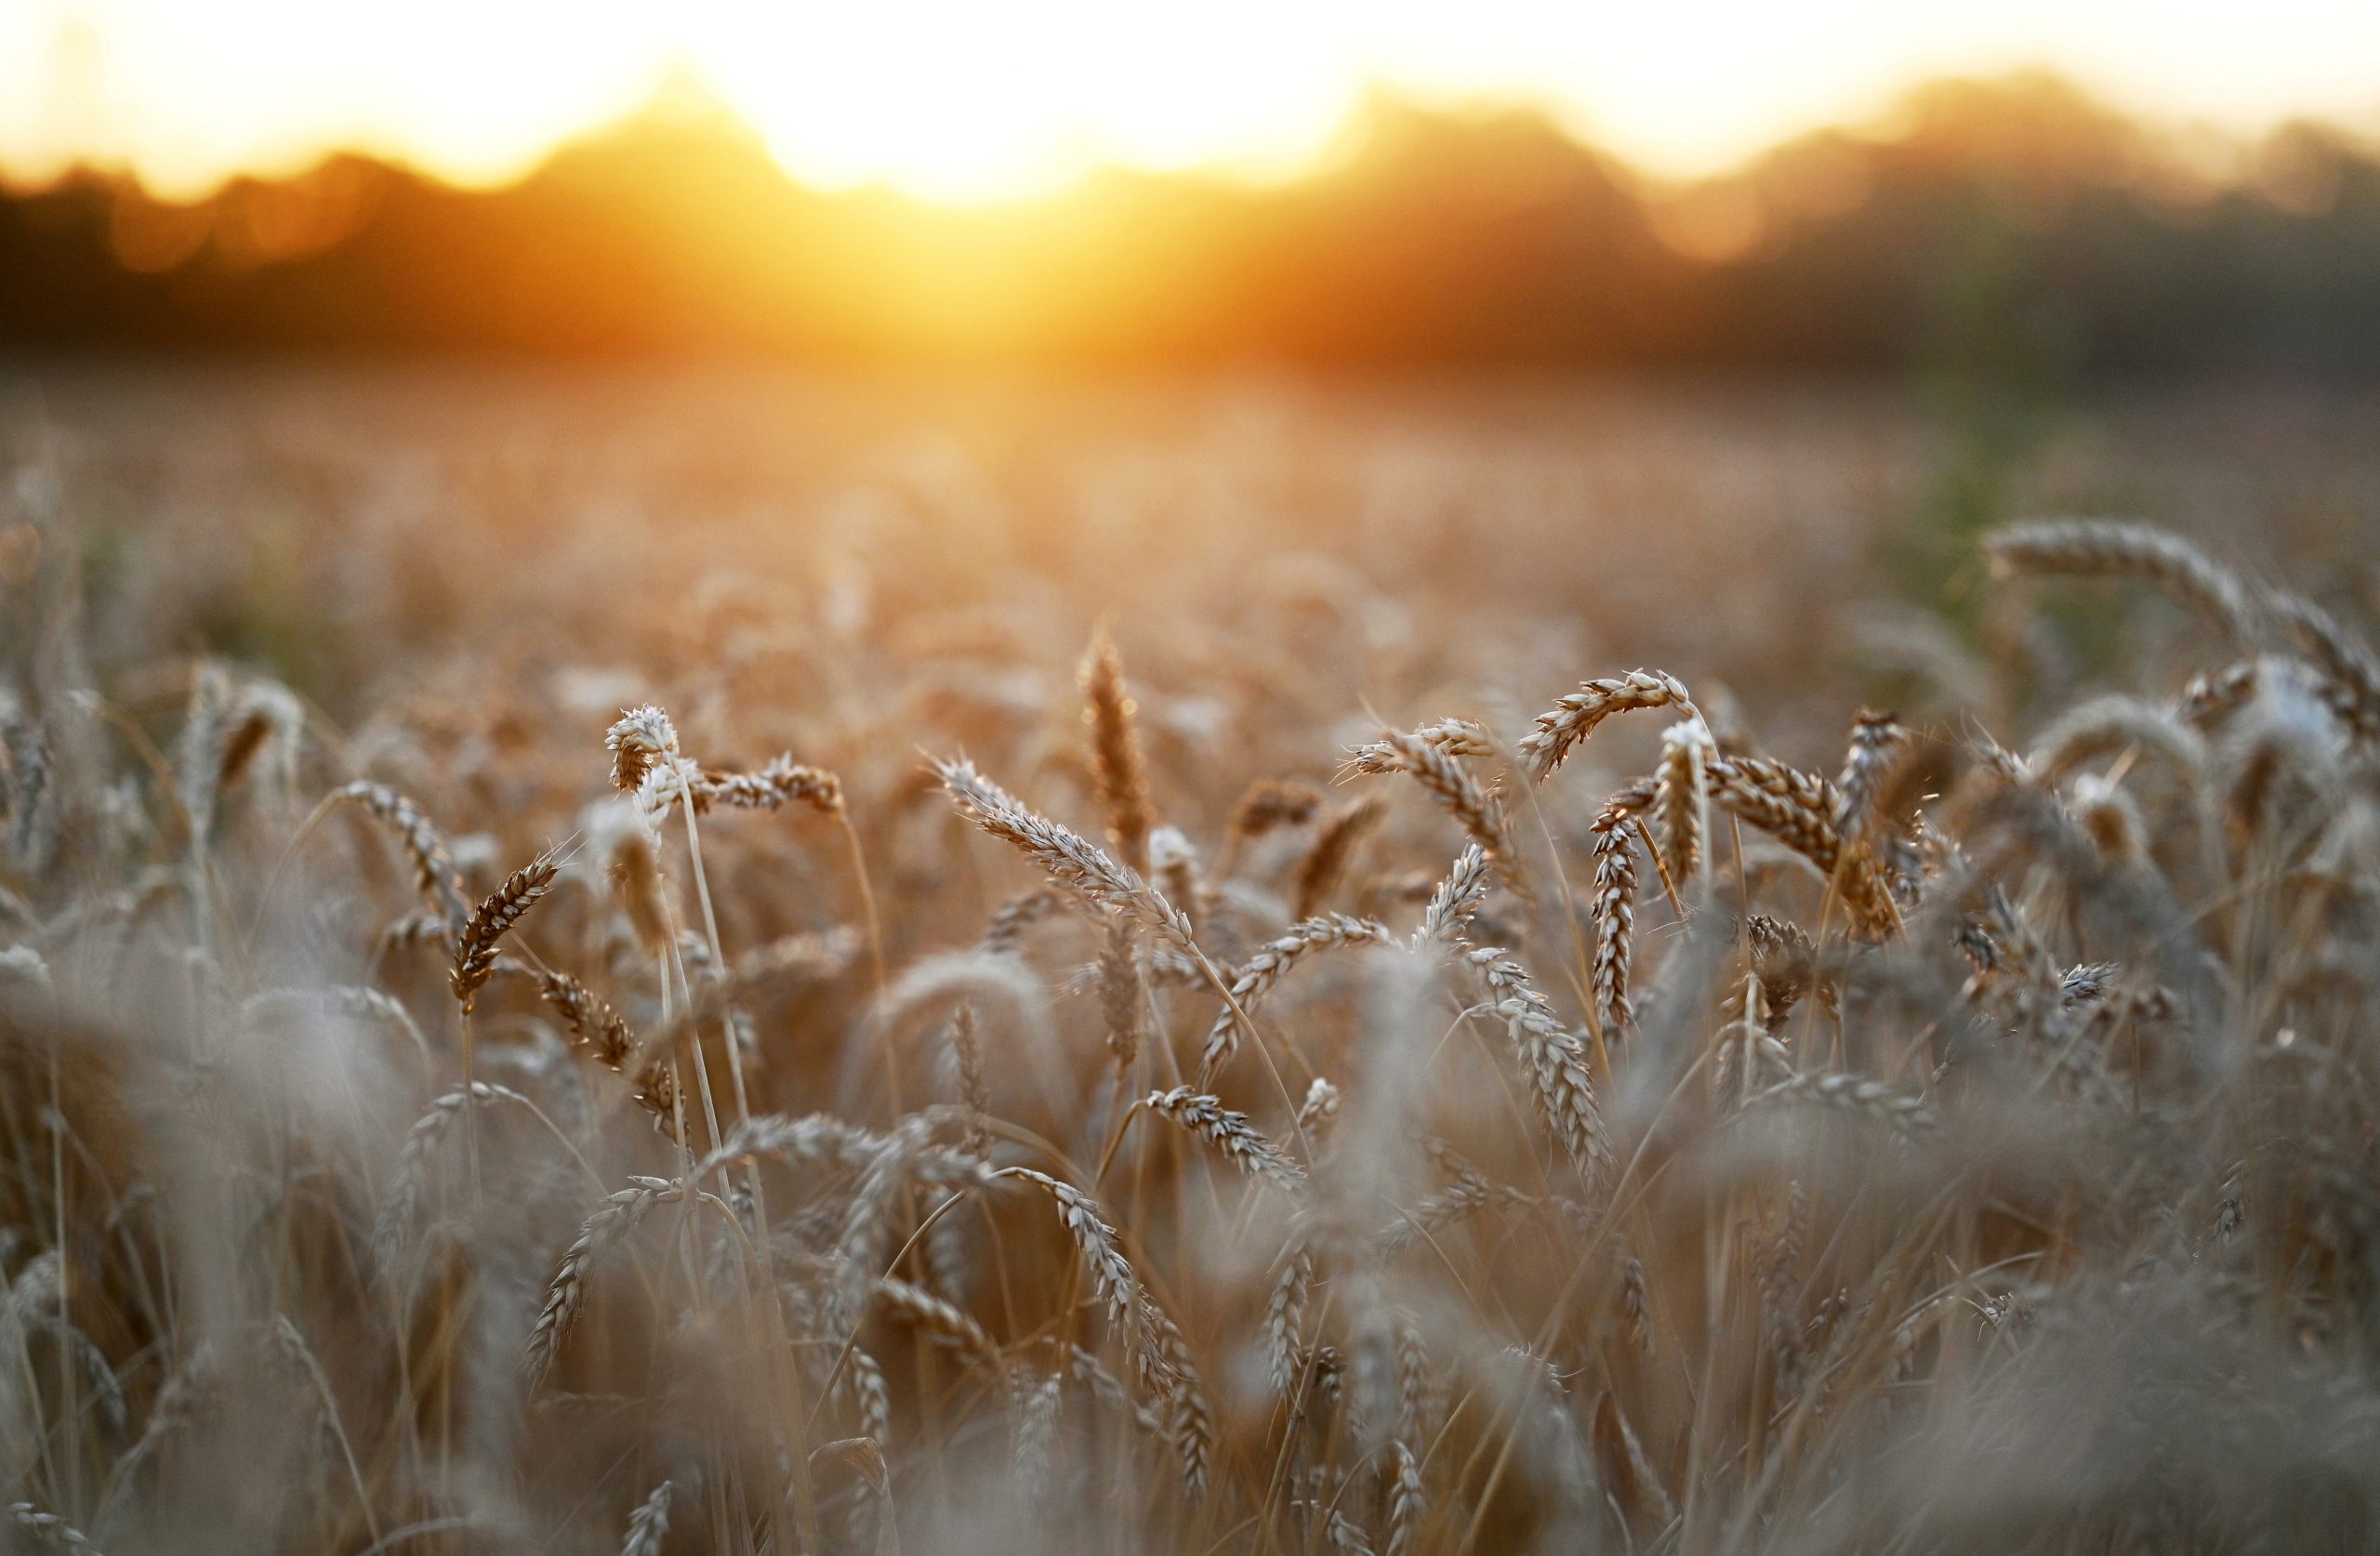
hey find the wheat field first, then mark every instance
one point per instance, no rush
(728, 966)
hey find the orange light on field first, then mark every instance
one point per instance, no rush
(964, 102)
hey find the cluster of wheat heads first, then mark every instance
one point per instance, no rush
(1971, 1148)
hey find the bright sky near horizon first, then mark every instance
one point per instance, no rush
(969, 100)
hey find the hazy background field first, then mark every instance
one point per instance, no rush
(347, 526)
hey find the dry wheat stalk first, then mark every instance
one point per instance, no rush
(1453, 737)
(1460, 1200)
(48, 1528)
(2112, 818)
(198, 751)
(1005, 934)
(1796, 808)
(868, 1233)
(1614, 907)
(1552, 1060)
(1189, 1415)
(640, 740)
(664, 787)
(1641, 1486)
(187, 1400)
(1434, 767)
(594, 1026)
(861, 1382)
(433, 868)
(1065, 856)
(1574, 717)
(2114, 723)
(567, 1291)
(1267, 805)
(1268, 965)
(1455, 899)
(783, 782)
(1173, 864)
(805, 957)
(1907, 1117)
(632, 869)
(476, 947)
(1407, 1500)
(1681, 807)
(822, 1139)
(1876, 739)
(940, 1320)
(298, 1356)
(1110, 1391)
(403, 1205)
(1781, 964)
(1115, 752)
(25, 744)
(968, 1054)
(1637, 1302)
(603, 1034)
(341, 999)
(1149, 1341)
(649, 1526)
(1120, 994)
(2109, 547)
(1325, 864)
(1229, 1132)
(1285, 1307)
(1418, 1407)
(2345, 659)
(1036, 1435)
(266, 715)
(1864, 838)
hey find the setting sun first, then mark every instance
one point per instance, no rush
(971, 102)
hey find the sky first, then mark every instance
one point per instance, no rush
(987, 100)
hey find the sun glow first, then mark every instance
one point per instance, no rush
(970, 102)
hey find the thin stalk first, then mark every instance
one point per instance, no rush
(875, 943)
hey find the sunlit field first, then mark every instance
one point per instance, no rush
(714, 960)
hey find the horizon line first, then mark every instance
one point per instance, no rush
(2222, 155)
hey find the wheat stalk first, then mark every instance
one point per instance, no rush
(1455, 899)
(48, 1528)
(1681, 807)
(1575, 715)
(1552, 1058)
(2114, 548)
(476, 946)
(1432, 764)
(783, 782)
(1452, 737)
(1876, 739)
(401, 1206)
(1115, 752)
(567, 1291)
(1229, 1132)
(434, 867)
(1131, 1317)
(1120, 994)
(1615, 908)
(649, 1526)
(1334, 846)
(1268, 965)
(1068, 859)
(1907, 1117)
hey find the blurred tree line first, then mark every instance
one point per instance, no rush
(2014, 228)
